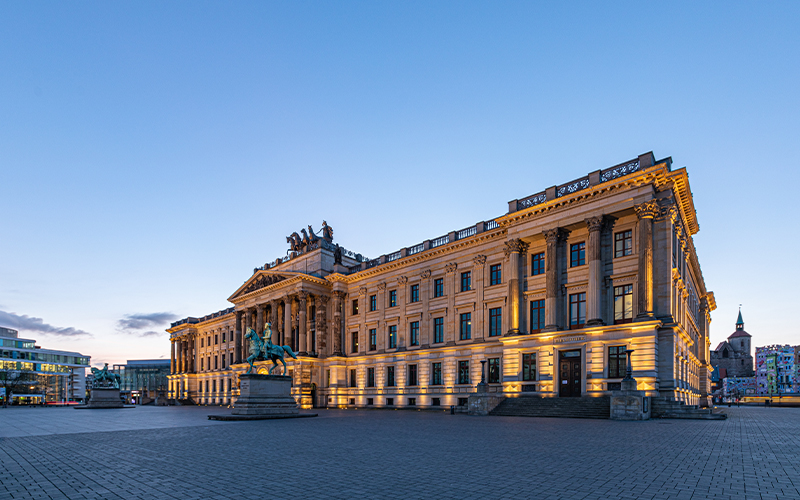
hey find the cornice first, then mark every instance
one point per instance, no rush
(291, 278)
(427, 255)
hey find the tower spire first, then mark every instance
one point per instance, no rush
(740, 322)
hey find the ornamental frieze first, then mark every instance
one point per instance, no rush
(263, 281)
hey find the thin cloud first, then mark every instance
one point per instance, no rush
(26, 323)
(143, 325)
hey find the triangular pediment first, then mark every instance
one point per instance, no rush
(262, 279)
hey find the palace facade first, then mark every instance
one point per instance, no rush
(544, 300)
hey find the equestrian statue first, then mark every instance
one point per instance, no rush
(266, 349)
(103, 379)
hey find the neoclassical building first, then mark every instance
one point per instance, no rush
(544, 300)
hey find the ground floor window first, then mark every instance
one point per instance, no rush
(412, 401)
(412, 375)
(617, 361)
(494, 370)
(436, 402)
(390, 376)
(463, 372)
(370, 377)
(529, 366)
(353, 377)
(436, 373)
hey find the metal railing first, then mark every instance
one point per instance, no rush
(442, 240)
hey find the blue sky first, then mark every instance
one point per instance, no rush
(152, 154)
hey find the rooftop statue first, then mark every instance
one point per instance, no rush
(103, 379)
(266, 349)
(327, 232)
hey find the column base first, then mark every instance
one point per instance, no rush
(551, 328)
(595, 322)
(513, 331)
(337, 353)
(647, 316)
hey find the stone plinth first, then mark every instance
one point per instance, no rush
(103, 398)
(630, 403)
(265, 395)
(482, 402)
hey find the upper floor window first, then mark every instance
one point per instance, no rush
(617, 361)
(537, 264)
(373, 339)
(495, 274)
(354, 342)
(494, 370)
(537, 315)
(370, 377)
(466, 281)
(623, 304)
(413, 334)
(495, 321)
(392, 336)
(438, 330)
(577, 310)
(529, 366)
(223, 337)
(463, 372)
(201, 364)
(392, 298)
(438, 287)
(201, 342)
(216, 339)
(577, 254)
(414, 293)
(466, 326)
(373, 302)
(390, 376)
(623, 243)
(355, 307)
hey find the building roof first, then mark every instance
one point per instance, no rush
(739, 333)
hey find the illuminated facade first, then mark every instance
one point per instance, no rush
(549, 295)
(777, 370)
(55, 376)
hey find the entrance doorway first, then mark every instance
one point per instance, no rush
(570, 369)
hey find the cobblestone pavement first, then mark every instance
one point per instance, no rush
(174, 453)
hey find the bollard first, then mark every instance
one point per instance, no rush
(452, 410)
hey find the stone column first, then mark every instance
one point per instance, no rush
(338, 300)
(185, 356)
(594, 313)
(259, 319)
(172, 358)
(552, 279)
(322, 324)
(248, 319)
(273, 313)
(646, 212)
(238, 337)
(195, 350)
(513, 249)
(302, 318)
(702, 350)
(287, 322)
(178, 355)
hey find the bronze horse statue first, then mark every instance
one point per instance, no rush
(266, 349)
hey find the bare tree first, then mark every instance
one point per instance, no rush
(12, 380)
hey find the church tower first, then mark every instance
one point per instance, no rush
(740, 339)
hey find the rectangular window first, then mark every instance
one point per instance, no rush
(353, 382)
(438, 330)
(617, 361)
(463, 372)
(369, 401)
(412, 401)
(577, 254)
(413, 334)
(389, 401)
(537, 315)
(201, 342)
(223, 337)
(412, 375)
(392, 298)
(577, 310)
(373, 303)
(537, 264)
(231, 362)
(466, 281)
(414, 293)
(216, 361)
(392, 336)
(495, 321)
(354, 342)
(623, 244)
(390, 376)
(216, 339)
(465, 329)
(373, 339)
(436, 373)
(623, 304)
(370, 377)
(495, 274)
(201, 364)
(494, 370)
(355, 307)
(438, 287)
(529, 367)
(436, 401)
(222, 358)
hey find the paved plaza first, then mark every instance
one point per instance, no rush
(176, 453)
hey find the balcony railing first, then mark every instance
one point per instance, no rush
(441, 240)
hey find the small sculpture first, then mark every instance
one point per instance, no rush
(312, 238)
(327, 232)
(103, 379)
(266, 349)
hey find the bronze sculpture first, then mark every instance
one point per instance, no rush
(266, 349)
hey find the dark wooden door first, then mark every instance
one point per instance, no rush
(570, 374)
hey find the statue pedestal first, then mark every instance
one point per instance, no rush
(103, 398)
(630, 403)
(263, 397)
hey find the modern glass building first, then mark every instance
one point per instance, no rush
(143, 380)
(30, 374)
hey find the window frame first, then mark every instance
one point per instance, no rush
(465, 326)
(373, 339)
(354, 308)
(625, 295)
(621, 368)
(438, 330)
(495, 321)
(466, 281)
(537, 264)
(537, 305)
(495, 274)
(462, 371)
(413, 375)
(493, 377)
(373, 303)
(580, 307)
(353, 342)
(393, 298)
(414, 293)
(391, 338)
(438, 288)
(390, 378)
(621, 249)
(436, 373)
(528, 366)
(413, 333)
(370, 376)
(577, 254)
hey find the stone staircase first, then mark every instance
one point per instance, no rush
(185, 402)
(535, 406)
(669, 408)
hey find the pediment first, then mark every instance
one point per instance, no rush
(261, 279)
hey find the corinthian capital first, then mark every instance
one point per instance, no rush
(402, 280)
(479, 260)
(555, 235)
(381, 286)
(595, 223)
(515, 246)
(450, 268)
(425, 274)
(647, 210)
